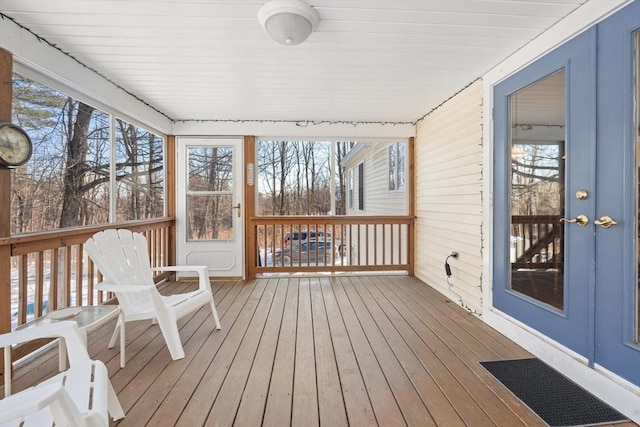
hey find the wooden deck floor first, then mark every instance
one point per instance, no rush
(331, 351)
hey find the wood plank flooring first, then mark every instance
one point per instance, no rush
(312, 351)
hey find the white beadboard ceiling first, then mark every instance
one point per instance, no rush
(368, 61)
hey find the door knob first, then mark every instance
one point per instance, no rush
(605, 221)
(581, 220)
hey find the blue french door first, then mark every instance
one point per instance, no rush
(567, 130)
(617, 312)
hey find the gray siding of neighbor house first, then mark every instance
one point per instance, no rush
(448, 201)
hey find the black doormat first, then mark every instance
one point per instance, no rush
(555, 398)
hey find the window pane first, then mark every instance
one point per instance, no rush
(350, 188)
(210, 169)
(361, 186)
(66, 181)
(397, 178)
(393, 172)
(210, 217)
(140, 173)
(342, 149)
(210, 193)
(294, 177)
(401, 177)
(537, 190)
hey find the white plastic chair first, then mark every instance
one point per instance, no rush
(123, 259)
(80, 396)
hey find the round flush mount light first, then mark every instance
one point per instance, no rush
(288, 22)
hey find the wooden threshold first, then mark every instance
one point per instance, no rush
(312, 351)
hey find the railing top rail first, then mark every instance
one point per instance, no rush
(25, 243)
(329, 219)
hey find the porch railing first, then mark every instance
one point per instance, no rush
(536, 241)
(330, 244)
(49, 270)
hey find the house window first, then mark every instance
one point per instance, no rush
(361, 186)
(397, 163)
(350, 188)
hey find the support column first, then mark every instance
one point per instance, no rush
(6, 73)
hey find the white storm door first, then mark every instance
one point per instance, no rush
(209, 219)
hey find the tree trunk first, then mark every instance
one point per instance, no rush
(76, 163)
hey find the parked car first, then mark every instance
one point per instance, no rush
(312, 252)
(293, 239)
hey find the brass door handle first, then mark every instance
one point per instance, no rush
(581, 220)
(605, 221)
(237, 207)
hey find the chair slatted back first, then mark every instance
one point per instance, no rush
(123, 259)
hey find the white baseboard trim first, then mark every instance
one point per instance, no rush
(608, 387)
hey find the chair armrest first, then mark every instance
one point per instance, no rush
(180, 268)
(35, 399)
(65, 329)
(109, 287)
(202, 270)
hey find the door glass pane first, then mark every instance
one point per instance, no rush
(637, 128)
(209, 217)
(210, 169)
(537, 124)
(209, 193)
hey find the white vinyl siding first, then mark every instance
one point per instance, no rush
(378, 200)
(448, 201)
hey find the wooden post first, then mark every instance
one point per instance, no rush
(170, 183)
(411, 176)
(251, 247)
(6, 73)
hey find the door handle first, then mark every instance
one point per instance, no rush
(605, 221)
(237, 207)
(581, 220)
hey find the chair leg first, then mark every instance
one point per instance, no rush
(115, 409)
(169, 328)
(215, 315)
(112, 342)
(123, 357)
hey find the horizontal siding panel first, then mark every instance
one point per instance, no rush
(454, 200)
(458, 190)
(463, 239)
(465, 144)
(449, 197)
(454, 182)
(455, 218)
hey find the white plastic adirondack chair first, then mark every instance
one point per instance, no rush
(80, 396)
(123, 259)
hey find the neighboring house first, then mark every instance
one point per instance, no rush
(376, 185)
(464, 151)
(377, 178)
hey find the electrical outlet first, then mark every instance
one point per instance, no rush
(454, 254)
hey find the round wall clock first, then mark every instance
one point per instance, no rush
(15, 146)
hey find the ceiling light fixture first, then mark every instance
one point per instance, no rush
(288, 22)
